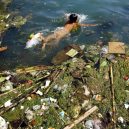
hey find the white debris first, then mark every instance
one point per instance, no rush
(53, 100)
(74, 59)
(8, 86)
(93, 124)
(7, 25)
(39, 93)
(3, 123)
(8, 103)
(29, 98)
(43, 107)
(8, 77)
(82, 47)
(47, 83)
(104, 50)
(48, 100)
(36, 107)
(89, 124)
(120, 119)
(13, 108)
(29, 115)
(22, 107)
(87, 92)
(126, 105)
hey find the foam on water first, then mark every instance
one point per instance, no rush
(81, 17)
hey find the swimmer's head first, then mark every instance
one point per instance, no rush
(73, 18)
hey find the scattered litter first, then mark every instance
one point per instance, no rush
(104, 51)
(121, 119)
(29, 98)
(8, 77)
(3, 123)
(7, 86)
(89, 124)
(8, 103)
(22, 107)
(29, 115)
(39, 93)
(48, 100)
(93, 124)
(126, 105)
(62, 113)
(87, 92)
(36, 107)
(82, 47)
(97, 97)
(72, 52)
(47, 83)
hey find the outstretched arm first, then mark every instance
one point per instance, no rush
(86, 25)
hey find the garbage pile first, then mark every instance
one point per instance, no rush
(86, 88)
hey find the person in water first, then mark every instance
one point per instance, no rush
(70, 25)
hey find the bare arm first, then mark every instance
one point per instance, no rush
(86, 25)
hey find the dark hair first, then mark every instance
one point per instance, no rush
(72, 18)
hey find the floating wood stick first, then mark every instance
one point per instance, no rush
(113, 96)
(81, 118)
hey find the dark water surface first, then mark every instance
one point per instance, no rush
(47, 15)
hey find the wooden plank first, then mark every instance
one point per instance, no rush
(81, 118)
(116, 47)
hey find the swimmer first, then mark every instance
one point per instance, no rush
(71, 24)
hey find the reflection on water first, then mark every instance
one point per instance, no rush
(48, 15)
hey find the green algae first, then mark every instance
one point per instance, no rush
(8, 18)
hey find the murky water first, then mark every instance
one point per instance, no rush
(47, 15)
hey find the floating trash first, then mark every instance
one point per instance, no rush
(8, 103)
(3, 123)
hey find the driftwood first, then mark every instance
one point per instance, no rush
(113, 96)
(32, 69)
(54, 77)
(20, 98)
(81, 118)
